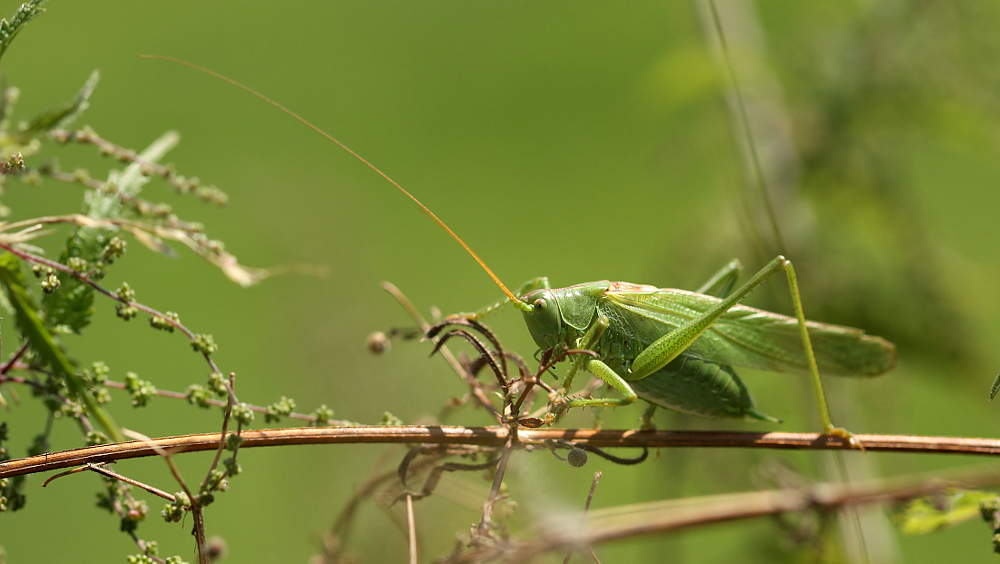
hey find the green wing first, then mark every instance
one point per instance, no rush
(753, 338)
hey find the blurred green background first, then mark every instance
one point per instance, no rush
(581, 141)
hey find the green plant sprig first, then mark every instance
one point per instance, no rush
(181, 184)
(149, 234)
(171, 320)
(111, 208)
(322, 416)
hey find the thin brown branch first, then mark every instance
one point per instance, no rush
(11, 365)
(498, 477)
(210, 401)
(198, 528)
(658, 517)
(26, 256)
(496, 437)
(411, 529)
(335, 541)
(225, 427)
(583, 519)
(473, 383)
(100, 469)
(5, 368)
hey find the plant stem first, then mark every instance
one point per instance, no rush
(496, 437)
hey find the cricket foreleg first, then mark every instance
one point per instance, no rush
(598, 369)
(589, 342)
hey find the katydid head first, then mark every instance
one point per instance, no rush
(561, 316)
(544, 318)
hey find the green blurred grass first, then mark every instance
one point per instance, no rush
(579, 141)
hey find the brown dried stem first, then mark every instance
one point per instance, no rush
(658, 517)
(496, 437)
(474, 386)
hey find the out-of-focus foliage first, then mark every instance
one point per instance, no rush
(839, 102)
(10, 28)
(929, 514)
(861, 92)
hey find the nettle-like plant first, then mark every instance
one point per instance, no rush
(49, 297)
(65, 291)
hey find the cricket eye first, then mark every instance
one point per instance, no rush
(539, 304)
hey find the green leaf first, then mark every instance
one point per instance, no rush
(24, 14)
(933, 513)
(8, 97)
(61, 116)
(44, 344)
(73, 304)
(131, 180)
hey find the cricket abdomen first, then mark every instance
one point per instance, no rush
(699, 387)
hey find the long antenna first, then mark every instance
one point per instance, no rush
(516, 301)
